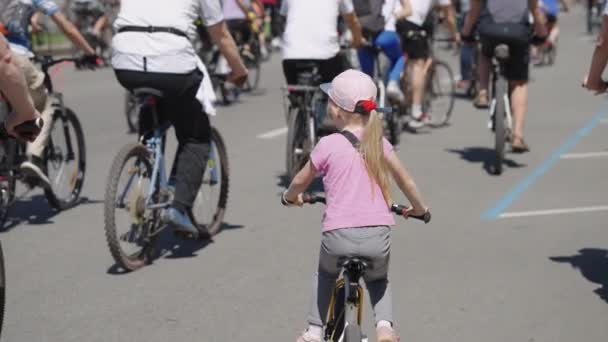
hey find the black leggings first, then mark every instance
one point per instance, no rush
(192, 126)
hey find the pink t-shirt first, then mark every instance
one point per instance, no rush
(348, 187)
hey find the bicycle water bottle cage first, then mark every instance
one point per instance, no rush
(502, 52)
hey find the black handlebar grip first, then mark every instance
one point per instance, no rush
(401, 211)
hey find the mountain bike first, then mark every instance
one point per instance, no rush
(500, 107)
(345, 313)
(64, 156)
(138, 190)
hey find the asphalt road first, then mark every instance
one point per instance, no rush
(492, 266)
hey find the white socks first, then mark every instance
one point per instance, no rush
(384, 324)
(314, 331)
(416, 111)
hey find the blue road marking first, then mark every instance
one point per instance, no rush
(494, 212)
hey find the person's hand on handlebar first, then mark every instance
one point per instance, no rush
(25, 131)
(88, 62)
(290, 200)
(598, 86)
(412, 211)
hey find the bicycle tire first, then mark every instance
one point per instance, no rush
(131, 113)
(215, 225)
(2, 289)
(139, 258)
(296, 134)
(441, 84)
(68, 118)
(499, 124)
(352, 333)
(251, 60)
(9, 185)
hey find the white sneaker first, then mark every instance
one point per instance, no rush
(33, 168)
(420, 122)
(393, 91)
(276, 43)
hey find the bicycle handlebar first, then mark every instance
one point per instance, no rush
(397, 209)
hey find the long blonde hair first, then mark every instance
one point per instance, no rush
(372, 150)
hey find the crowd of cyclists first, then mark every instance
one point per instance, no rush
(152, 47)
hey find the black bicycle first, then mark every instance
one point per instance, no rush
(64, 156)
(138, 189)
(345, 314)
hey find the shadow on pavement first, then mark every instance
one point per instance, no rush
(35, 210)
(485, 156)
(593, 265)
(170, 246)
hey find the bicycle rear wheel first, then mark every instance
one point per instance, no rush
(251, 59)
(129, 225)
(132, 113)
(209, 206)
(440, 92)
(500, 130)
(296, 142)
(65, 157)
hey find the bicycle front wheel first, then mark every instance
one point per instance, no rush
(209, 206)
(129, 225)
(440, 90)
(65, 157)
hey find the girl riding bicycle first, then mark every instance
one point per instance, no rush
(356, 181)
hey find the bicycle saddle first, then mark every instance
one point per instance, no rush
(355, 263)
(502, 52)
(145, 92)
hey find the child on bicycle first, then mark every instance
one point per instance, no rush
(357, 217)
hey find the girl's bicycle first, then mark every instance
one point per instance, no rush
(138, 190)
(345, 312)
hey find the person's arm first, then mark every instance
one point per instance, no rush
(72, 32)
(300, 183)
(406, 184)
(223, 39)
(14, 87)
(540, 24)
(100, 25)
(355, 28)
(565, 5)
(35, 22)
(594, 81)
(450, 14)
(406, 9)
(472, 16)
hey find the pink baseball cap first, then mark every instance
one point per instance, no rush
(350, 87)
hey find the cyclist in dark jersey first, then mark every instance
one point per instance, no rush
(507, 22)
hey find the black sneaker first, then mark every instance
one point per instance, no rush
(35, 169)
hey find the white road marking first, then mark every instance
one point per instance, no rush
(554, 212)
(584, 155)
(273, 134)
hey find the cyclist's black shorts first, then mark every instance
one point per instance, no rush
(416, 48)
(517, 37)
(240, 30)
(328, 68)
(551, 18)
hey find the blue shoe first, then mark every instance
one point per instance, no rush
(180, 222)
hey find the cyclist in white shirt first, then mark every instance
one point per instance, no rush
(593, 81)
(152, 48)
(415, 31)
(311, 35)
